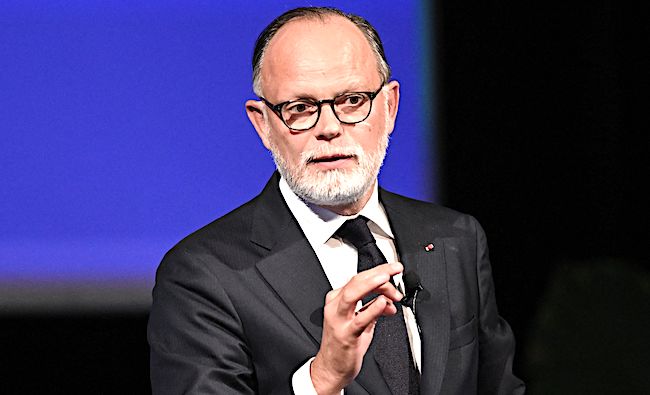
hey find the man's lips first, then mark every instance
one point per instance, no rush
(330, 158)
(330, 162)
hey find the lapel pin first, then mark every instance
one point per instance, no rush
(428, 247)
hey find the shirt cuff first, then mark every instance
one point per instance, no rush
(301, 380)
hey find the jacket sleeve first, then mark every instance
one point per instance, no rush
(496, 340)
(196, 339)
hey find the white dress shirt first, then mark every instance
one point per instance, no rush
(339, 259)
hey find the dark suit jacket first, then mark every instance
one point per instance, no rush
(237, 305)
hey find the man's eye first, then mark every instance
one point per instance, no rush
(352, 100)
(300, 108)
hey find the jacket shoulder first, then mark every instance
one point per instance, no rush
(220, 243)
(433, 213)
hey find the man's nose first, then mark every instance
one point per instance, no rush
(328, 126)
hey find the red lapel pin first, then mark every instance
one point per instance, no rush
(428, 247)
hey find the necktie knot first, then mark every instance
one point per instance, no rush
(356, 232)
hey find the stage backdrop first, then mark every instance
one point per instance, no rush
(123, 129)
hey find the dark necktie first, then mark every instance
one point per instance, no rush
(390, 343)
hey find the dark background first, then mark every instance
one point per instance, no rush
(542, 139)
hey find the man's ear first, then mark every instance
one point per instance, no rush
(392, 93)
(255, 112)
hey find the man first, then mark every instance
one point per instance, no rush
(279, 297)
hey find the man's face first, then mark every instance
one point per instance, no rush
(332, 164)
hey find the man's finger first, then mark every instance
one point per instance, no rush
(387, 289)
(370, 314)
(357, 288)
(331, 295)
(367, 282)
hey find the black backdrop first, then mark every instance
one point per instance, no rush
(542, 139)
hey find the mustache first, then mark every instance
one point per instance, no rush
(331, 151)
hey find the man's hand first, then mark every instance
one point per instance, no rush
(346, 332)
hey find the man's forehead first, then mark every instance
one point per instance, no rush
(306, 49)
(315, 35)
(332, 23)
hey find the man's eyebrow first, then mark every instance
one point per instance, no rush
(305, 96)
(297, 96)
(352, 88)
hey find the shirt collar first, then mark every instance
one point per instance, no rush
(319, 224)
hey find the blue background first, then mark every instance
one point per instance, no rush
(123, 129)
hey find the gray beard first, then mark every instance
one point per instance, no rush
(335, 187)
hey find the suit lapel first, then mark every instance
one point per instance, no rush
(292, 269)
(432, 307)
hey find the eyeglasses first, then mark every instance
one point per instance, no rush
(303, 114)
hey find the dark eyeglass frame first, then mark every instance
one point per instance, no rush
(277, 108)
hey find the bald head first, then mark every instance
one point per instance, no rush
(306, 53)
(313, 15)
